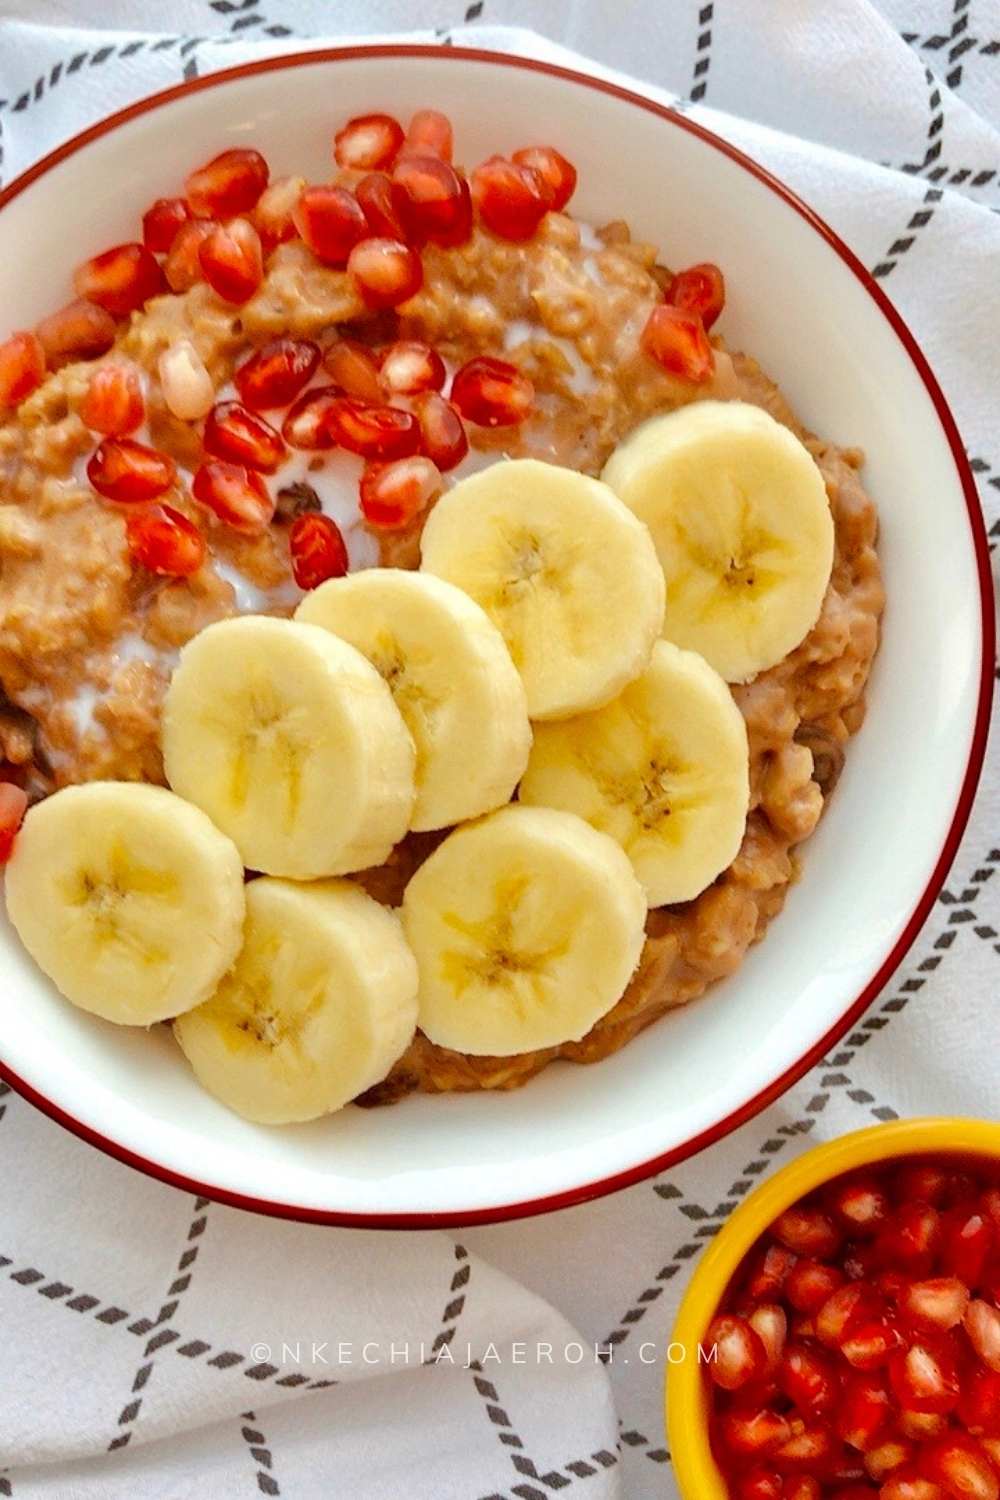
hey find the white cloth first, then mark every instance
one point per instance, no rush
(142, 1332)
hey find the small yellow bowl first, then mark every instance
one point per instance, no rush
(687, 1394)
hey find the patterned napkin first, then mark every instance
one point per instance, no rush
(158, 1345)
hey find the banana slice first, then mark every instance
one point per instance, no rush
(127, 898)
(290, 741)
(452, 679)
(742, 526)
(664, 770)
(564, 571)
(527, 927)
(320, 1004)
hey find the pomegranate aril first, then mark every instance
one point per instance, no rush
(161, 223)
(22, 368)
(120, 279)
(443, 438)
(699, 289)
(677, 341)
(739, 1354)
(272, 213)
(374, 193)
(922, 1182)
(353, 368)
(921, 1425)
(924, 1377)
(80, 330)
(938, 1303)
(236, 494)
(845, 1310)
(809, 1447)
(769, 1271)
(967, 1241)
(392, 495)
(188, 389)
(809, 1283)
(368, 142)
(387, 272)
(307, 424)
(910, 1485)
(275, 374)
(891, 1284)
(979, 1403)
(430, 131)
(807, 1231)
(557, 174)
(331, 221)
(768, 1321)
(229, 184)
(860, 1204)
(232, 260)
(910, 1239)
(982, 1325)
(242, 437)
(317, 550)
(989, 1202)
(755, 1433)
(888, 1456)
(851, 1492)
(860, 1260)
(809, 1379)
(802, 1327)
(958, 1464)
(379, 432)
(114, 402)
(802, 1487)
(408, 366)
(511, 200)
(870, 1345)
(13, 806)
(431, 201)
(122, 469)
(182, 267)
(164, 541)
(759, 1484)
(863, 1410)
(492, 393)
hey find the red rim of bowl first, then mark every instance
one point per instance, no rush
(590, 1190)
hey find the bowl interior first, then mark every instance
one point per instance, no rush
(798, 307)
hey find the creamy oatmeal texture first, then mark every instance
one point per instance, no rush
(87, 644)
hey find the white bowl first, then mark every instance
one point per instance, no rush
(820, 325)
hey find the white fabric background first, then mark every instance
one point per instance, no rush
(131, 1316)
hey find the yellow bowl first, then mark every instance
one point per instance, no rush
(687, 1394)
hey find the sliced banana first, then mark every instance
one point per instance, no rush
(320, 1004)
(563, 569)
(452, 680)
(127, 898)
(526, 927)
(664, 770)
(742, 526)
(290, 741)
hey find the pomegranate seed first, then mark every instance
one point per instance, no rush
(331, 221)
(368, 142)
(408, 367)
(739, 1352)
(229, 184)
(920, 1425)
(164, 541)
(22, 368)
(307, 424)
(808, 1447)
(863, 1411)
(242, 437)
(759, 1484)
(802, 1327)
(810, 1283)
(161, 221)
(859, 1203)
(991, 1447)
(846, 1310)
(989, 1202)
(860, 1260)
(380, 432)
(966, 1245)
(958, 1464)
(809, 1379)
(511, 200)
(13, 806)
(182, 266)
(769, 1271)
(442, 436)
(910, 1239)
(272, 213)
(768, 1321)
(387, 271)
(187, 387)
(80, 330)
(870, 1345)
(493, 393)
(124, 470)
(803, 1487)
(354, 370)
(921, 1182)
(232, 260)
(982, 1324)
(979, 1403)
(701, 290)
(557, 174)
(275, 373)
(374, 193)
(236, 494)
(114, 402)
(119, 280)
(850, 1492)
(431, 200)
(317, 549)
(887, 1457)
(925, 1376)
(753, 1434)
(911, 1485)
(430, 133)
(939, 1303)
(677, 341)
(392, 495)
